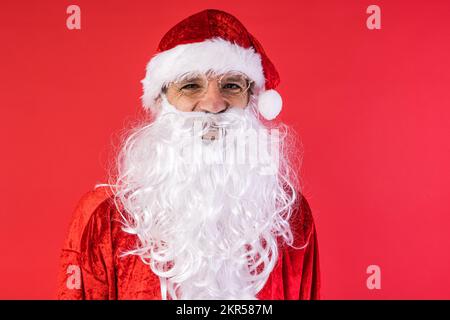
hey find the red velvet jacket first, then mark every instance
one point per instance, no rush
(90, 266)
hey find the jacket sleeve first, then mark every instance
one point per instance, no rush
(84, 259)
(311, 280)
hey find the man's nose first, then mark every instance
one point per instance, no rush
(212, 101)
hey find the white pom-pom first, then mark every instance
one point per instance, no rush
(269, 104)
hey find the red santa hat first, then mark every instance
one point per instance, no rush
(212, 40)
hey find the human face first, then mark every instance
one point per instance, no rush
(209, 92)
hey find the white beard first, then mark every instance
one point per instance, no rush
(208, 230)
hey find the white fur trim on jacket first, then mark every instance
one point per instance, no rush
(213, 54)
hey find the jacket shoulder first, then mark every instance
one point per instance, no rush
(83, 212)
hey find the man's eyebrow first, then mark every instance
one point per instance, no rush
(189, 75)
(234, 78)
(187, 79)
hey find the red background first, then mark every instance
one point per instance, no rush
(371, 107)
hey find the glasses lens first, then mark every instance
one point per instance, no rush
(234, 84)
(192, 85)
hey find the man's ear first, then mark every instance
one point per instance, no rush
(157, 103)
(156, 107)
(158, 100)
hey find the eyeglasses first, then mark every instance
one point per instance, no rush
(232, 85)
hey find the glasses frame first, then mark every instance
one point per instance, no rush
(208, 76)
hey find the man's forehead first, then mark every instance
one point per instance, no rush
(195, 75)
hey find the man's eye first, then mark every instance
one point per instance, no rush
(190, 86)
(232, 86)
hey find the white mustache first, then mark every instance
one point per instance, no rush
(209, 126)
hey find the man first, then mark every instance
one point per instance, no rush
(192, 211)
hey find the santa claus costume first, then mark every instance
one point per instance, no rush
(167, 229)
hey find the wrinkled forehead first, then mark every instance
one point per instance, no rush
(213, 74)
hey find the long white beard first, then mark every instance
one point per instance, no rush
(208, 229)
